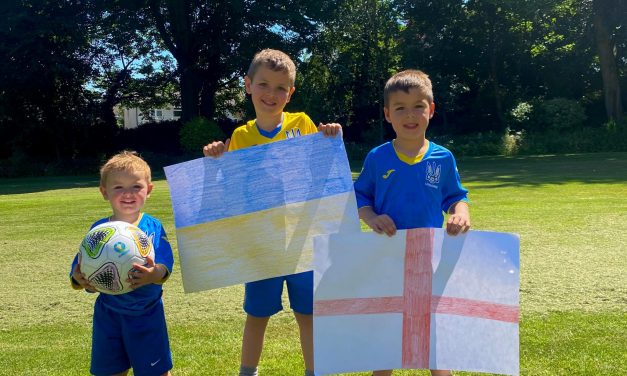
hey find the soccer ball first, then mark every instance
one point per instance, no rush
(108, 252)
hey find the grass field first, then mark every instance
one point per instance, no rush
(570, 211)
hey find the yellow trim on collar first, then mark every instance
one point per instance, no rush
(411, 160)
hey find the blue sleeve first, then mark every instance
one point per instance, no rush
(364, 185)
(163, 249)
(74, 263)
(453, 190)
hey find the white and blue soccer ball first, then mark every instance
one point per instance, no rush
(108, 252)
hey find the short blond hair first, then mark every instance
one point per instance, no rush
(406, 80)
(275, 60)
(128, 161)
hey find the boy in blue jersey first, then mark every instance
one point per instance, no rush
(129, 330)
(270, 83)
(410, 181)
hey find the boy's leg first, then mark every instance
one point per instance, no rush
(108, 354)
(252, 342)
(305, 326)
(262, 299)
(147, 342)
(300, 290)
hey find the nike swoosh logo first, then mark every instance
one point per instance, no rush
(387, 174)
(152, 364)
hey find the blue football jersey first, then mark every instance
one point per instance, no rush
(139, 300)
(412, 194)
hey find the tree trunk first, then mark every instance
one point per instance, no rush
(207, 100)
(609, 68)
(190, 93)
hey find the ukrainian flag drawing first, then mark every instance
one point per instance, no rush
(252, 214)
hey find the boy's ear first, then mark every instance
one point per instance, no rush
(247, 83)
(289, 95)
(431, 109)
(103, 192)
(386, 112)
(149, 189)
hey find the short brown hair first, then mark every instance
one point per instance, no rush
(406, 80)
(273, 59)
(126, 160)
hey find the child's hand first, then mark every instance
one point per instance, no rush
(81, 279)
(330, 130)
(381, 224)
(216, 148)
(146, 274)
(458, 224)
(459, 220)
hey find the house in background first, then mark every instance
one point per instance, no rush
(134, 117)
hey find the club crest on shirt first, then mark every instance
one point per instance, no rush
(432, 179)
(291, 133)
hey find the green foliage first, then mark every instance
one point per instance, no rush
(68, 63)
(521, 113)
(348, 65)
(553, 115)
(198, 132)
(477, 144)
(559, 114)
(583, 140)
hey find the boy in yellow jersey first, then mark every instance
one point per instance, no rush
(270, 83)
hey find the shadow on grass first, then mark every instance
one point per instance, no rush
(497, 171)
(15, 186)
(545, 169)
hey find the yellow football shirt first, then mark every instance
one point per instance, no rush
(293, 125)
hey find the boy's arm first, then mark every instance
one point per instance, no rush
(78, 280)
(459, 220)
(381, 224)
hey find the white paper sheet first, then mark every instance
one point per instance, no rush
(420, 299)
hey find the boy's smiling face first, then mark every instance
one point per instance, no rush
(409, 113)
(270, 91)
(127, 192)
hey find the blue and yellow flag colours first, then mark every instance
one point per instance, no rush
(252, 213)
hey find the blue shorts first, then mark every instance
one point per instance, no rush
(120, 342)
(263, 298)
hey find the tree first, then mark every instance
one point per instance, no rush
(213, 42)
(130, 67)
(43, 104)
(474, 52)
(347, 66)
(608, 19)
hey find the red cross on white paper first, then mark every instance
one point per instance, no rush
(417, 303)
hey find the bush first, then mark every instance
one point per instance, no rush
(158, 137)
(198, 132)
(559, 114)
(488, 143)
